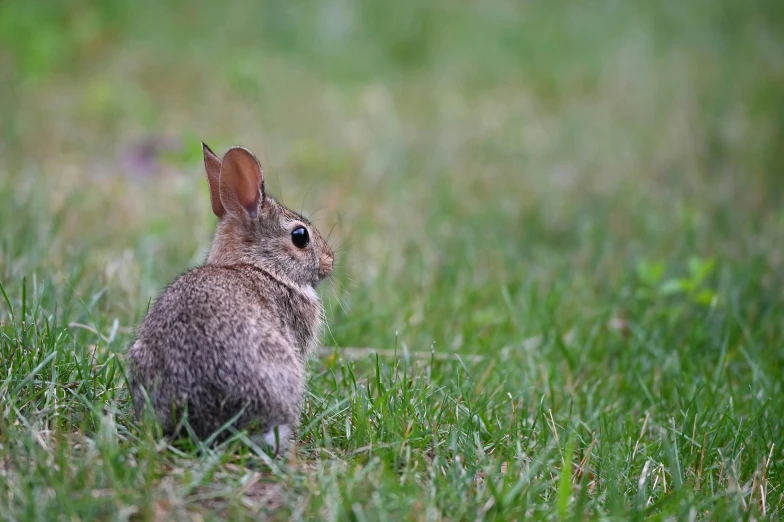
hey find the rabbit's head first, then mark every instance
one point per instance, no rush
(254, 228)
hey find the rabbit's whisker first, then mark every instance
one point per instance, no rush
(305, 197)
(340, 302)
(340, 218)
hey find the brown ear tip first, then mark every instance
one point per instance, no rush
(237, 149)
(205, 148)
(241, 153)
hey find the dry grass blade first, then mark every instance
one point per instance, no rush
(363, 353)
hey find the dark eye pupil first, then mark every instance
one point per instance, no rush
(299, 236)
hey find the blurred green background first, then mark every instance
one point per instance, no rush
(491, 171)
(459, 146)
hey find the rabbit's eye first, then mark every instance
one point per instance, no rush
(299, 236)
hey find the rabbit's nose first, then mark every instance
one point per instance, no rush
(325, 264)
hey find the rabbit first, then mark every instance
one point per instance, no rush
(229, 341)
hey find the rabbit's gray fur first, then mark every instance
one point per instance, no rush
(232, 338)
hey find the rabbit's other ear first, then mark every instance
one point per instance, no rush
(212, 164)
(241, 182)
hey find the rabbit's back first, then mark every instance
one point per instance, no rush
(218, 344)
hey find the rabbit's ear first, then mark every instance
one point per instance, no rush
(212, 164)
(241, 182)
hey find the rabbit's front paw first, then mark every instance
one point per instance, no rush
(276, 440)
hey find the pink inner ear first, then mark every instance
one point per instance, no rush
(241, 177)
(253, 210)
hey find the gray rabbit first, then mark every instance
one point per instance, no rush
(231, 339)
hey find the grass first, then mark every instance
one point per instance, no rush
(558, 225)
